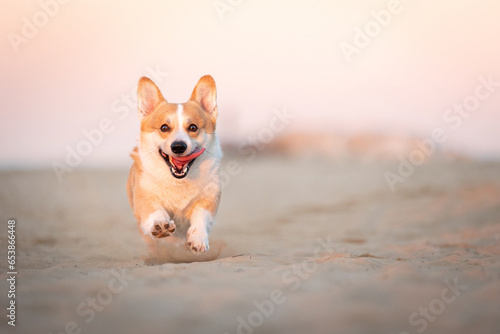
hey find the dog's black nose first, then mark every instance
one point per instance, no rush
(178, 147)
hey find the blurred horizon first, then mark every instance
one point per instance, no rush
(395, 69)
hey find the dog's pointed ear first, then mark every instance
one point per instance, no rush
(205, 93)
(148, 96)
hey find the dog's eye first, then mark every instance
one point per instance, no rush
(164, 128)
(193, 128)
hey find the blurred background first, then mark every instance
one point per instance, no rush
(377, 81)
(386, 71)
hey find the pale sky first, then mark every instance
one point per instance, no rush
(66, 68)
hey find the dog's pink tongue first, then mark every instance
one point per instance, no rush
(179, 162)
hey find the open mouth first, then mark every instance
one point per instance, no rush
(179, 166)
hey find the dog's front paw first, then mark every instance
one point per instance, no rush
(197, 240)
(158, 225)
(162, 228)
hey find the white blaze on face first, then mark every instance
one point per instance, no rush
(180, 116)
(181, 134)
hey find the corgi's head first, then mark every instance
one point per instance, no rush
(176, 134)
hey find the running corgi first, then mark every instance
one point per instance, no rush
(174, 185)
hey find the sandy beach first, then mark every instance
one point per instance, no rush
(300, 246)
(361, 168)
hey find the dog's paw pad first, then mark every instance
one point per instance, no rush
(197, 242)
(198, 247)
(162, 229)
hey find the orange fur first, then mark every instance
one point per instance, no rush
(157, 197)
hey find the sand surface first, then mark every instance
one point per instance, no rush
(305, 247)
